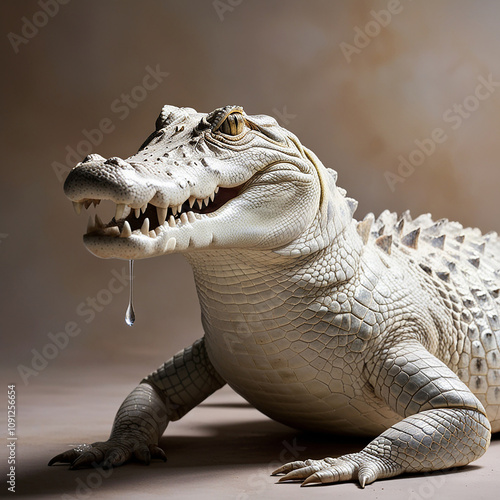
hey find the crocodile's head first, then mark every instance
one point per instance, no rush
(222, 180)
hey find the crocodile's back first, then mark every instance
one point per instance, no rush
(460, 269)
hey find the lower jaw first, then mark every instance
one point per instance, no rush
(133, 247)
(186, 237)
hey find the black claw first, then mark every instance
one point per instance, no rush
(82, 462)
(54, 460)
(108, 455)
(157, 452)
(65, 458)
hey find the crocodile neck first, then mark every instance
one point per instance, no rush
(236, 282)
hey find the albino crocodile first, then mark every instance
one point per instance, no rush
(386, 327)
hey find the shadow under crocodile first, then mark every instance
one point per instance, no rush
(218, 448)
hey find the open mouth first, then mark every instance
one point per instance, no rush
(149, 219)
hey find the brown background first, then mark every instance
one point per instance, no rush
(273, 57)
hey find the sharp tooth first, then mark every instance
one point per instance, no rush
(171, 244)
(145, 227)
(98, 222)
(174, 210)
(158, 230)
(216, 190)
(87, 203)
(143, 208)
(191, 217)
(126, 231)
(184, 218)
(192, 199)
(152, 234)
(120, 209)
(171, 221)
(200, 203)
(137, 212)
(179, 208)
(90, 225)
(206, 200)
(212, 196)
(162, 214)
(78, 207)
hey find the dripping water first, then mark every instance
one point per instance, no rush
(130, 314)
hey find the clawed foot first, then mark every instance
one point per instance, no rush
(362, 466)
(108, 454)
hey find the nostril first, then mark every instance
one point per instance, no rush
(116, 161)
(93, 157)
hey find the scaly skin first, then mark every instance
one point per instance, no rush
(386, 327)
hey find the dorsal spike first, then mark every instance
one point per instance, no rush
(460, 238)
(426, 268)
(342, 191)
(479, 247)
(435, 227)
(439, 241)
(411, 239)
(333, 173)
(475, 262)
(364, 228)
(444, 275)
(353, 205)
(406, 216)
(399, 226)
(385, 243)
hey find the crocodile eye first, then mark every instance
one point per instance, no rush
(233, 124)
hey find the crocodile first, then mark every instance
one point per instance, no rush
(385, 327)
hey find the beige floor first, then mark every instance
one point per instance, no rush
(224, 449)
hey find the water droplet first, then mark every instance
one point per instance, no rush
(130, 314)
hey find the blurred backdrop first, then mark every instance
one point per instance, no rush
(402, 98)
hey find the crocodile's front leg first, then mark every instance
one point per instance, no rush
(444, 425)
(164, 396)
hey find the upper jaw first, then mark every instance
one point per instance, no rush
(154, 214)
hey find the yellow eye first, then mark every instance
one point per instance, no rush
(234, 124)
